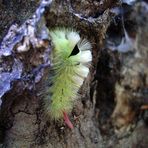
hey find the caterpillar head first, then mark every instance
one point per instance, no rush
(70, 47)
(71, 51)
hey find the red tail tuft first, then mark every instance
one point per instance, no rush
(67, 121)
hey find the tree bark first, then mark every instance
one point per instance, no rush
(107, 94)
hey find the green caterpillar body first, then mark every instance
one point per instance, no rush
(70, 57)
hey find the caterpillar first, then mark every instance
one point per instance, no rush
(70, 58)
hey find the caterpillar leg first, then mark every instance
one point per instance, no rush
(67, 121)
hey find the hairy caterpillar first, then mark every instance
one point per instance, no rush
(70, 57)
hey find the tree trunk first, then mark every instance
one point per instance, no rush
(108, 113)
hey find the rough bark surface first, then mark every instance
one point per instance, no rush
(108, 114)
(15, 11)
